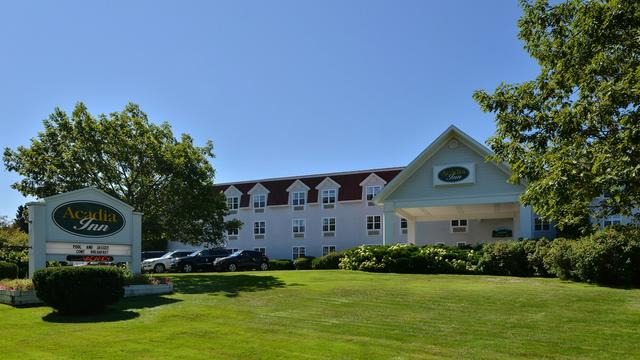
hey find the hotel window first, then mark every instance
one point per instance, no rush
(612, 220)
(328, 226)
(326, 249)
(328, 198)
(461, 244)
(298, 199)
(298, 251)
(259, 202)
(259, 229)
(371, 192)
(374, 224)
(298, 228)
(541, 224)
(262, 250)
(233, 204)
(403, 226)
(459, 226)
(232, 234)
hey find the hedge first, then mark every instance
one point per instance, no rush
(609, 257)
(329, 261)
(8, 270)
(303, 263)
(403, 258)
(282, 264)
(80, 289)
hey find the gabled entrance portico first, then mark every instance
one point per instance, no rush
(452, 183)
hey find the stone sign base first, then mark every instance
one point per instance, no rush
(28, 297)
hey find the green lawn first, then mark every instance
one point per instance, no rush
(340, 315)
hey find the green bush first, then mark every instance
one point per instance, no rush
(505, 258)
(329, 261)
(608, 257)
(303, 263)
(79, 290)
(8, 270)
(14, 249)
(401, 258)
(282, 264)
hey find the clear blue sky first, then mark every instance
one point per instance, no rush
(281, 87)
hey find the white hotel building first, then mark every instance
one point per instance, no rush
(450, 194)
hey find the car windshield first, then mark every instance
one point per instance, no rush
(195, 253)
(236, 253)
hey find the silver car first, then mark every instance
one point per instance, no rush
(163, 263)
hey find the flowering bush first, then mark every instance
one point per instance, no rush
(403, 258)
(16, 285)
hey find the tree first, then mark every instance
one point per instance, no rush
(573, 133)
(134, 160)
(21, 221)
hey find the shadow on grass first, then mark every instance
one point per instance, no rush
(227, 285)
(121, 311)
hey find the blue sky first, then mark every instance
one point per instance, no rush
(282, 87)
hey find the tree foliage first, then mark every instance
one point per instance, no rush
(573, 132)
(22, 219)
(133, 159)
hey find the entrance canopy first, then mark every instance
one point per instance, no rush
(453, 180)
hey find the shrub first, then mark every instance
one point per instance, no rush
(16, 284)
(403, 258)
(8, 270)
(79, 290)
(329, 261)
(282, 264)
(506, 258)
(303, 263)
(557, 260)
(608, 257)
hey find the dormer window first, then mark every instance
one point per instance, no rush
(298, 200)
(259, 202)
(371, 192)
(328, 198)
(233, 203)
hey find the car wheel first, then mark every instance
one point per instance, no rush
(159, 268)
(187, 268)
(264, 266)
(232, 267)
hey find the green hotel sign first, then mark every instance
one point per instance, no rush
(453, 174)
(88, 218)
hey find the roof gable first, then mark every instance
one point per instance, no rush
(328, 183)
(373, 178)
(451, 133)
(90, 189)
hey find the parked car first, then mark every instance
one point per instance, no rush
(151, 254)
(200, 260)
(242, 259)
(165, 262)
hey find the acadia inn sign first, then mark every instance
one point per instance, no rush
(85, 225)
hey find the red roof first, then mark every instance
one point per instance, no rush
(350, 188)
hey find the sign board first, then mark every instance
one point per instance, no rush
(454, 174)
(88, 218)
(84, 225)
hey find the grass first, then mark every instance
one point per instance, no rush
(341, 315)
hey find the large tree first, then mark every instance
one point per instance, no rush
(138, 162)
(573, 133)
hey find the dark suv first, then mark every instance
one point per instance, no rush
(200, 260)
(242, 259)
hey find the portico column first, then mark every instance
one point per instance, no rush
(411, 231)
(388, 237)
(525, 223)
